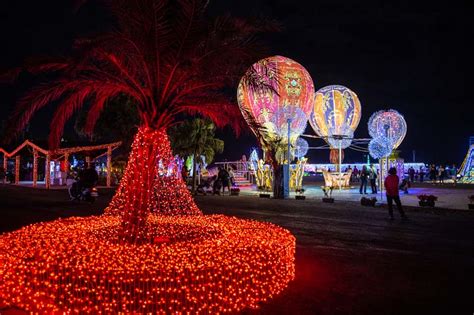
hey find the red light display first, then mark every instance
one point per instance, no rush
(207, 264)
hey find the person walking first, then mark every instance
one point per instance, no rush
(363, 180)
(392, 193)
(373, 178)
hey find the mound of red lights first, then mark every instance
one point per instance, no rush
(194, 264)
(153, 251)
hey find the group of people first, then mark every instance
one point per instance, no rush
(367, 176)
(436, 174)
(224, 179)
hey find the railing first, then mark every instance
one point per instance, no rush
(239, 167)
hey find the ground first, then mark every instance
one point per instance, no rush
(350, 259)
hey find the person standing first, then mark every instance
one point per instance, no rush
(3, 175)
(453, 173)
(411, 174)
(355, 173)
(422, 174)
(223, 176)
(363, 180)
(441, 174)
(373, 178)
(433, 174)
(231, 176)
(392, 193)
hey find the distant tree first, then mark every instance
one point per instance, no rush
(196, 138)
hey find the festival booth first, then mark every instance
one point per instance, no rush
(57, 163)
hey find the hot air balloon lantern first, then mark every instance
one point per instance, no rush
(335, 115)
(388, 127)
(289, 94)
(301, 148)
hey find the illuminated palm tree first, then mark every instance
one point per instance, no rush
(171, 61)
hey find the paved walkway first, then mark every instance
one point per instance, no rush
(448, 198)
(349, 259)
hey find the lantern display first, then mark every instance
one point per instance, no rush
(379, 148)
(335, 115)
(289, 96)
(301, 147)
(388, 127)
(334, 157)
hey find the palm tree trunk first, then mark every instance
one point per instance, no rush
(194, 173)
(151, 184)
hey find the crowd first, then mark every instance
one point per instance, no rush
(432, 173)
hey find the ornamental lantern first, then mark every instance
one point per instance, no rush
(388, 127)
(335, 115)
(334, 157)
(288, 94)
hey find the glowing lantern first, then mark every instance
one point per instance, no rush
(289, 95)
(336, 113)
(388, 127)
(379, 148)
(301, 147)
(334, 156)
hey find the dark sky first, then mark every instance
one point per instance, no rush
(411, 56)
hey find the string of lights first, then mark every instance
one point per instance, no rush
(195, 264)
(151, 252)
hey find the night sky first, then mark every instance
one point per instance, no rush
(414, 57)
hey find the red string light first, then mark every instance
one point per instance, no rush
(151, 252)
(201, 263)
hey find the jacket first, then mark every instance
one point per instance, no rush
(391, 185)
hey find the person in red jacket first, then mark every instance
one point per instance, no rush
(391, 187)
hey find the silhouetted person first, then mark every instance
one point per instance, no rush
(411, 174)
(441, 174)
(3, 175)
(363, 180)
(373, 178)
(224, 177)
(184, 174)
(391, 187)
(422, 174)
(433, 174)
(404, 186)
(88, 177)
(355, 174)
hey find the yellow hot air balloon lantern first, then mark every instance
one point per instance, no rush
(335, 115)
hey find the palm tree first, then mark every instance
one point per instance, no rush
(196, 138)
(171, 61)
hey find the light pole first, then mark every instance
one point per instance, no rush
(286, 190)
